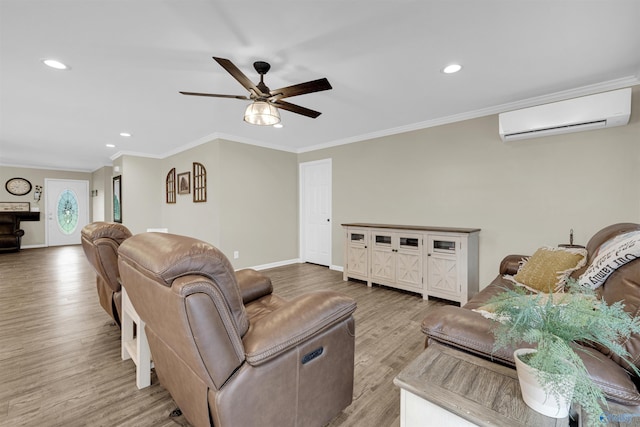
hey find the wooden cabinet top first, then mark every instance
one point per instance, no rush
(415, 227)
(23, 216)
(480, 391)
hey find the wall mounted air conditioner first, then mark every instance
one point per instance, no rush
(598, 111)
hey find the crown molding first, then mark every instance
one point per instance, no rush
(496, 109)
(620, 83)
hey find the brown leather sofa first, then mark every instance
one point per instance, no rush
(462, 328)
(230, 352)
(100, 242)
(10, 233)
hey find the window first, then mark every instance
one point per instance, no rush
(67, 212)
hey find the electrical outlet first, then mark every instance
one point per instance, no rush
(236, 254)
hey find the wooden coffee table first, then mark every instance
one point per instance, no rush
(447, 387)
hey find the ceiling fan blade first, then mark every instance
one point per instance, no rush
(296, 109)
(301, 89)
(240, 76)
(215, 95)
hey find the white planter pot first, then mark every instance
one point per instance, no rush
(534, 394)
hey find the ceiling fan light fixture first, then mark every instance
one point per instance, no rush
(262, 113)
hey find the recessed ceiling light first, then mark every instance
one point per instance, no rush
(53, 63)
(453, 68)
(278, 125)
(125, 134)
(111, 146)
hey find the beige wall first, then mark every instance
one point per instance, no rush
(34, 231)
(522, 194)
(142, 188)
(102, 201)
(259, 204)
(251, 200)
(200, 220)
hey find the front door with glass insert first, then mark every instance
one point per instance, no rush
(67, 210)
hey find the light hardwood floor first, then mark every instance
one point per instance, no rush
(60, 355)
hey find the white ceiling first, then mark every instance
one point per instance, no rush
(129, 59)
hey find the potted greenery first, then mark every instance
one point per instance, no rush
(554, 323)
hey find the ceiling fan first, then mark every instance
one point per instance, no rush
(264, 109)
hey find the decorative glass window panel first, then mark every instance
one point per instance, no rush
(171, 186)
(199, 183)
(67, 212)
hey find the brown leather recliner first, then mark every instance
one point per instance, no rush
(10, 233)
(229, 351)
(100, 241)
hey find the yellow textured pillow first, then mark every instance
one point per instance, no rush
(548, 268)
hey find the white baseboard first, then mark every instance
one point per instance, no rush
(32, 246)
(289, 262)
(277, 264)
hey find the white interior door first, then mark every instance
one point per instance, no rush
(67, 209)
(315, 212)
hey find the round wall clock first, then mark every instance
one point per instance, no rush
(18, 186)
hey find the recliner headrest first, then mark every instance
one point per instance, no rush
(169, 256)
(100, 229)
(165, 257)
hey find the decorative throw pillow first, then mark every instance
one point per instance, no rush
(489, 309)
(548, 268)
(610, 256)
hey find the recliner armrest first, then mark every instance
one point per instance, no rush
(296, 322)
(253, 285)
(466, 330)
(511, 263)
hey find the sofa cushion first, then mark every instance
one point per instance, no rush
(497, 286)
(488, 310)
(467, 330)
(610, 256)
(548, 268)
(624, 285)
(615, 381)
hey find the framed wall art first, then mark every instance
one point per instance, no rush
(15, 206)
(184, 183)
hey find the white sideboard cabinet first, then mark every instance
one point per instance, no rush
(432, 261)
